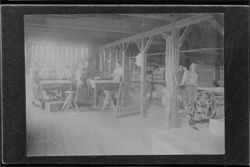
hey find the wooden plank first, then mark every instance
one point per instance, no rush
(161, 17)
(176, 118)
(217, 26)
(138, 44)
(144, 45)
(143, 78)
(184, 35)
(124, 48)
(104, 63)
(179, 24)
(172, 65)
(202, 50)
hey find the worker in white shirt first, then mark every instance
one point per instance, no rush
(117, 77)
(190, 80)
(117, 73)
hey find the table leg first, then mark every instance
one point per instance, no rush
(76, 107)
(107, 100)
(69, 103)
(95, 98)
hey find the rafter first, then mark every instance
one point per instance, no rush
(217, 26)
(202, 50)
(184, 35)
(162, 17)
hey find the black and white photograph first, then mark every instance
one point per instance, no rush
(124, 84)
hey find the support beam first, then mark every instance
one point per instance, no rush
(184, 36)
(217, 26)
(124, 48)
(101, 63)
(158, 53)
(167, 28)
(172, 65)
(104, 65)
(143, 45)
(110, 60)
(161, 17)
(201, 50)
(113, 60)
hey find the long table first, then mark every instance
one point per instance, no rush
(102, 85)
(53, 86)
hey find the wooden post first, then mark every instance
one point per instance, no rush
(143, 79)
(172, 65)
(123, 62)
(116, 55)
(105, 64)
(110, 60)
(167, 76)
(175, 120)
(100, 62)
(124, 47)
(143, 47)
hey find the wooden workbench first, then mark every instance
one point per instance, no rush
(51, 86)
(102, 85)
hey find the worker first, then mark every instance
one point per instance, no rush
(190, 80)
(117, 73)
(117, 77)
(82, 76)
(180, 75)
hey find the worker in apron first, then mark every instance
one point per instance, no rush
(190, 81)
(82, 76)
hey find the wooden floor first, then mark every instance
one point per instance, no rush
(90, 132)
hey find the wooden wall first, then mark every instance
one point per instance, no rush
(55, 54)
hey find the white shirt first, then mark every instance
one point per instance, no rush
(117, 74)
(191, 78)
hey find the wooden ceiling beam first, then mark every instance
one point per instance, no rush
(184, 35)
(162, 17)
(202, 50)
(217, 26)
(179, 24)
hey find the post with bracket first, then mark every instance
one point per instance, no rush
(172, 65)
(143, 45)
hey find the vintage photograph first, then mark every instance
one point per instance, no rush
(124, 84)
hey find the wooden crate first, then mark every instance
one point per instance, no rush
(53, 106)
